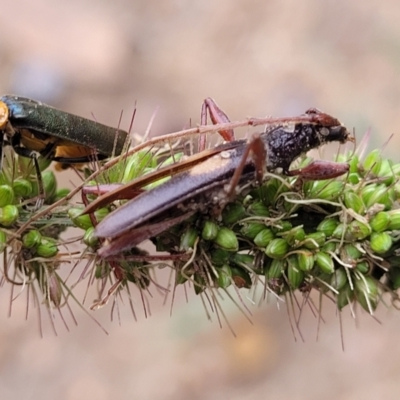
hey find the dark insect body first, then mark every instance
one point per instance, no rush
(207, 174)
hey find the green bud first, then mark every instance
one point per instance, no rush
(6, 195)
(363, 267)
(380, 222)
(381, 242)
(80, 220)
(349, 253)
(227, 239)
(277, 248)
(252, 229)
(275, 269)
(353, 163)
(339, 279)
(354, 178)
(372, 194)
(259, 209)
(354, 201)
(232, 213)
(264, 237)
(49, 185)
(367, 293)
(345, 296)
(3, 241)
(294, 235)
(326, 190)
(305, 260)
(243, 260)
(314, 240)
(61, 193)
(394, 223)
(22, 188)
(358, 231)
(373, 161)
(31, 239)
(224, 276)
(241, 278)
(219, 256)
(210, 230)
(188, 239)
(324, 262)
(339, 232)
(328, 226)
(200, 283)
(101, 213)
(386, 173)
(47, 248)
(8, 215)
(89, 238)
(330, 247)
(294, 274)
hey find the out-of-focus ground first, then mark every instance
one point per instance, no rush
(256, 58)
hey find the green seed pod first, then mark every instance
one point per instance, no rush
(252, 229)
(210, 230)
(394, 223)
(269, 191)
(6, 195)
(101, 213)
(380, 222)
(259, 209)
(358, 231)
(3, 241)
(373, 161)
(43, 162)
(47, 248)
(294, 235)
(294, 274)
(373, 194)
(277, 248)
(22, 188)
(275, 269)
(354, 178)
(381, 242)
(284, 226)
(330, 247)
(328, 226)
(305, 260)
(243, 260)
(363, 267)
(324, 262)
(339, 279)
(326, 191)
(349, 254)
(394, 275)
(227, 239)
(8, 215)
(31, 239)
(241, 278)
(188, 239)
(367, 293)
(89, 238)
(314, 240)
(200, 282)
(232, 213)
(219, 256)
(339, 232)
(61, 193)
(345, 296)
(353, 163)
(49, 185)
(80, 220)
(354, 201)
(224, 276)
(385, 172)
(264, 237)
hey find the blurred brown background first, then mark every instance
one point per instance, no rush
(255, 58)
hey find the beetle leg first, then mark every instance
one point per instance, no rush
(257, 150)
(217, 116)
(320, 170)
